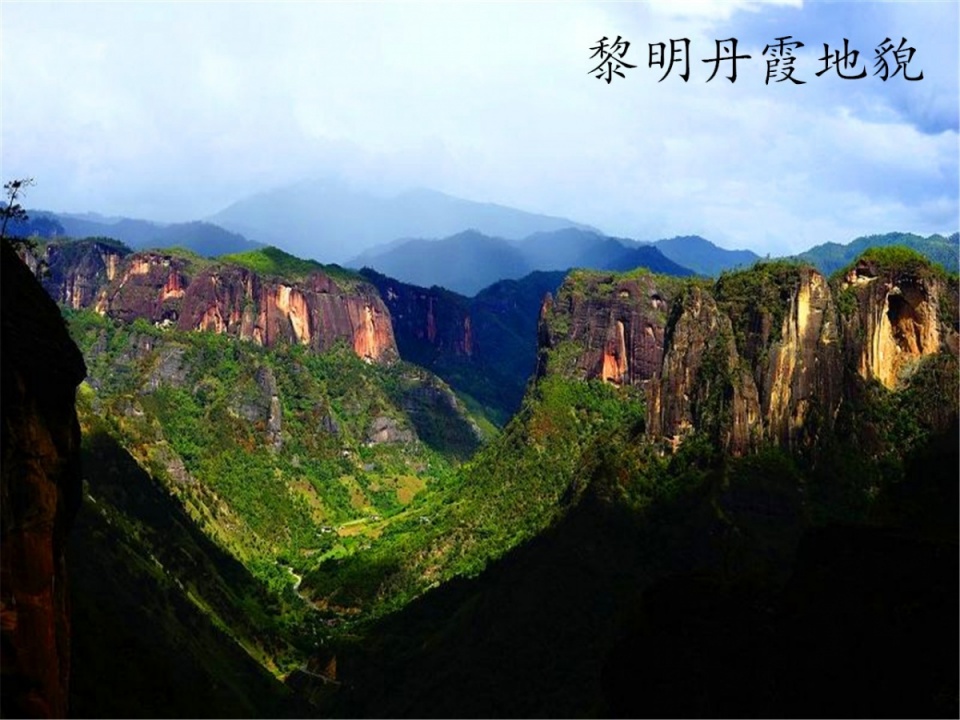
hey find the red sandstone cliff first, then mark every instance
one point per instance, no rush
(897, 316)
(190, 294)
(429, 322)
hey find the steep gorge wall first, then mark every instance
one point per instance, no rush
(787, 353)
(802, 372)
(76, 271)
(428, 322)
(701, 383)
(40, 492)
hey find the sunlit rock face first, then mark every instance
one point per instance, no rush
(787, 339)
(897, 321)
(762, 356)
(169, 290)
(40, 491)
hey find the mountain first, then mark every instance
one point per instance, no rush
(830, 257)
(766, 355)
(230, 361)
(621, 613)
(469, 261)
(702, 256)
(44, 226)
(265, 296)
(192, 640)
(329, 221)
(203, 238)
(575, 248)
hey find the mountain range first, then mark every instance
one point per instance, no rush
(830, 257)
(203, 238)
(469, 261)
(429, 238)
(332, 222)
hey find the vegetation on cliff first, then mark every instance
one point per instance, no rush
(690, 581)
(757, 300)
(275, 262)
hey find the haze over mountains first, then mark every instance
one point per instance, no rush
(428, 238)
(202, 238)
(469, 261)
(329, 220)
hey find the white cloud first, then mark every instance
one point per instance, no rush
(172, 111)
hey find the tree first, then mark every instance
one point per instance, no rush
(14, 211)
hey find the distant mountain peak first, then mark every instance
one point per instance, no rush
(332, 221)
(470, 260)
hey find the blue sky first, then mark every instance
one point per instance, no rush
(171, 111)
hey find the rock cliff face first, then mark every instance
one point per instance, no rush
(616, 322)
(896, 319)
(484, 346)
(786, 348)
(763, 355)
(173, 290)
(40, 491)
(701, 383)
(77, 271)
(801, 372)
(428, 322)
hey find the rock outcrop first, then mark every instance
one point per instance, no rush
(701, 383)
(428, 322)
(385, 429)
(484, 346)
(76, 271)
(766, 355)
(617, 323)
(895, 319)
(40, 492)
(177, 290)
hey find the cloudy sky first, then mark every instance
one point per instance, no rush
(171, 111)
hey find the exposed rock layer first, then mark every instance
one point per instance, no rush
(896, 320)
(168, 289)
